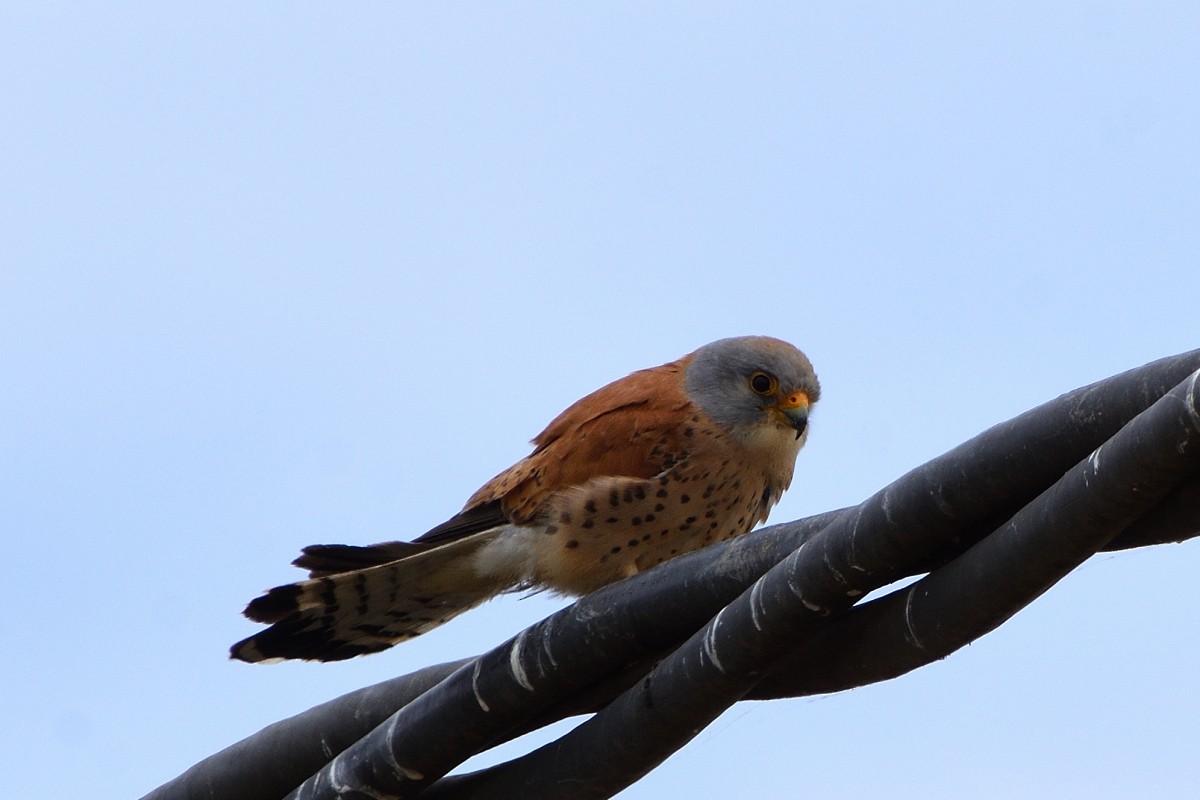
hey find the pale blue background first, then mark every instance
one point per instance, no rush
(275, 274)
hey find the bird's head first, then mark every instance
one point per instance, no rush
(756, 387)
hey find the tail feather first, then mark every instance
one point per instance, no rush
(347, 611)
(330, 559)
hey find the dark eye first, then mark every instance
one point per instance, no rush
(762, 383)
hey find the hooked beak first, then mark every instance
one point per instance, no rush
(794, 409)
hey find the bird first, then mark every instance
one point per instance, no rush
(661, 462)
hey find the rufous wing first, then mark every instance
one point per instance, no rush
(636, 427)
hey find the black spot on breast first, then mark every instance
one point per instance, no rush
(565, 518)
(628, 494)
(614, 498)
(590, 506)
(588, 523)
(612, 520)
(659, 507)
(632, 543)
(615, 550)
(683, 498)
(571, 544)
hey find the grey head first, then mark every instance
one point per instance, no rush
(750, 383)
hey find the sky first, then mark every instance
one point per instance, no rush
(275, 274)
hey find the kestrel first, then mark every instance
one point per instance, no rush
(661, 462)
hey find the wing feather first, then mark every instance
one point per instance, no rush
(637, 427)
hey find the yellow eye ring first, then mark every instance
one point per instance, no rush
(764, 384)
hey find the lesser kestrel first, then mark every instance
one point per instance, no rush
(663, 461)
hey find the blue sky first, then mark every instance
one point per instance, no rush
(277, 274)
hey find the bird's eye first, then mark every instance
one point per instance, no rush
(762, 383)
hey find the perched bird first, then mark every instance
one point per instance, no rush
(663, 461)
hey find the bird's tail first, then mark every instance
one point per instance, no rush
(366, 599)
